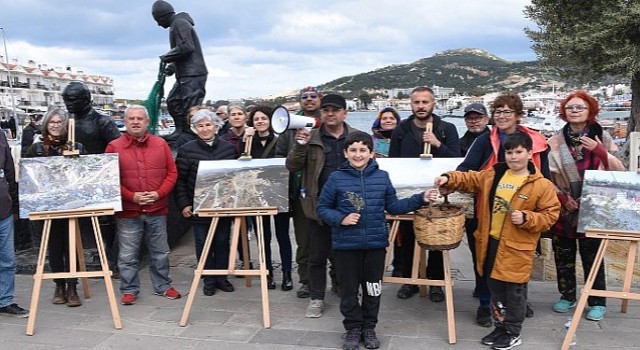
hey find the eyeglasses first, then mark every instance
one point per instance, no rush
(578, 108)
(504, 113)
(56, 123)
(308, 96)
(220, 113)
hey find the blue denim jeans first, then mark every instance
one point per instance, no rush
(7, 261)
(131, 231)
(218, 258)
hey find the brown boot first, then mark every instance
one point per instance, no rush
(59, 296)
(72, 296)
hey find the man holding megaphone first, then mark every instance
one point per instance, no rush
(309, 107)
(317, 153)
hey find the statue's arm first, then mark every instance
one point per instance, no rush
(183, 38)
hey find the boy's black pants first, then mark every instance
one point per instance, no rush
(360, 269)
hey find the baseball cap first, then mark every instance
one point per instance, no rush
(475, 107)
(333, 100)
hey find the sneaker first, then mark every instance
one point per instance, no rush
(224, 286)
(483, 316)
(315, 308)
(171, 293)
(490, 338)
(370, 339)
(303, 291)
(209, 289)
(436, 294)
(128, 299)
(563, 305)
(596, 313)
(530, 311)
(507, 341)
(14, 310)
(407, 291)
(352, 339)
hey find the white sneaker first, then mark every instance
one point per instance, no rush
(315, 308)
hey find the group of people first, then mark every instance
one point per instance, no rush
(524, 185)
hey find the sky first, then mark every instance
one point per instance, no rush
(257, 48)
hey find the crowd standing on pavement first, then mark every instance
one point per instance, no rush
(338, 197)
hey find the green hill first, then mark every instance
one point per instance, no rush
(469, 71)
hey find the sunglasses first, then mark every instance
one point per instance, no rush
(308, 96)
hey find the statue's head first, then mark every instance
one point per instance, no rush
(162, 12)
(77, 98)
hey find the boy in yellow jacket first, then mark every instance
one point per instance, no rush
(515, 205)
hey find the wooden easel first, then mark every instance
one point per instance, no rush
(418, 276)
(238, 215)
(75, 247)
(625, 294)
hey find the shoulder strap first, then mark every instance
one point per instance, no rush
(269, 147)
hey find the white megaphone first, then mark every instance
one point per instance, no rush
(282, 121)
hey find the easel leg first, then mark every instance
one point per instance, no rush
(266, 319)
(246, 259)
(628, 275)
(392, 236)
(448, 295)
(37, 278)
(73, 222)
(106, 273)
(422, 268)
(584, 295)
(197, 274)
(233, 250)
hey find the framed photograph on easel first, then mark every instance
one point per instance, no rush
(610, 201)
(64, 183)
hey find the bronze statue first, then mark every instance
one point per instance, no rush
(94, 130)
(185, 60)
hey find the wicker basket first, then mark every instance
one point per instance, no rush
(439, 227)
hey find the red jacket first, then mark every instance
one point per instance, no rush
(145, 165)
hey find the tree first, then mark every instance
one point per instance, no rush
(590, 39)
(365, 98)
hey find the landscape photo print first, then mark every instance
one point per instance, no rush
(242, 184)
(610, 201)
(63, 183)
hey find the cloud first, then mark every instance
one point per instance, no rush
(255, 48)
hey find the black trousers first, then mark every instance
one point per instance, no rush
(319, 252)
(435, 262)
(481, 288)
(58, 249)
(564, 252)
(360, 270)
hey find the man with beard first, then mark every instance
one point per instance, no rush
(407, 141)
(185, 59)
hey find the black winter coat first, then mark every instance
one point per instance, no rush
(187, 160)
(404, 144)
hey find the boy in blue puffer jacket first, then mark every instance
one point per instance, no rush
(353, 203)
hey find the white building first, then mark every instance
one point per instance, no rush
(36, 86)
